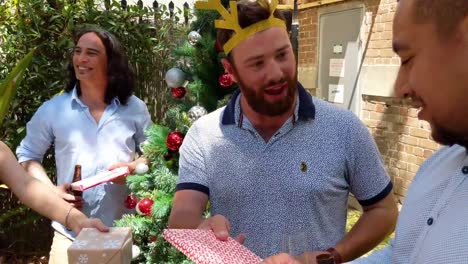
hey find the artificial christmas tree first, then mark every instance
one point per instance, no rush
(197, 85)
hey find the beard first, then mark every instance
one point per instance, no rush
(256, 99)
(445, 136)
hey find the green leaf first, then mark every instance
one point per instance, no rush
(9, 85)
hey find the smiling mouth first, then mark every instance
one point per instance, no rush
(82, 69)
(276, 89)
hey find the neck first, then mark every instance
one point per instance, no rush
(93, 94)
(265, 125)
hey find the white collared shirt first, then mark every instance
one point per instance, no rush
(433, 223)
(66, 122)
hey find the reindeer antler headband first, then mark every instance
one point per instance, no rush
(231, 21)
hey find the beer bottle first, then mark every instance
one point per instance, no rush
(77, 177)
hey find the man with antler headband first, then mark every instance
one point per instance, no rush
(276, 161)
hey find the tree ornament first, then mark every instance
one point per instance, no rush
(194, 37)
(226, 80)
(135, 251)
(179, 92)
(175, 77)
(196, 112)
(141, 168)
(174, 140)
(152, 238)
(131, 201)
(144, 206)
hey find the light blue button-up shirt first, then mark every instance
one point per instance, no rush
(433, 223)
(65, 122)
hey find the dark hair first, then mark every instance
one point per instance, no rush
(446, 14)
(249, 12)
(121, 78)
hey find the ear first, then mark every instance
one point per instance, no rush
(228, 67)
(464, 31)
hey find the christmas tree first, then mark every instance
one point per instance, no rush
(197, 85)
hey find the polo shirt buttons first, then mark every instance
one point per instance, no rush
(465, 169)
(430, 220)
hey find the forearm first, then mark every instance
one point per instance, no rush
(371, 228)
(35, 169)
(184, 219)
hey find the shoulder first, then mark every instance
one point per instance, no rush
(445, 156)
(135, 104)
(330, 115)
(57, 103)
(210, 121)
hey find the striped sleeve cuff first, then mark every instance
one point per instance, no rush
(193, 186)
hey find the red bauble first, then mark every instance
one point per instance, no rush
(225, 80)
(131, 201)
(178, 92)
(144, 206)
(152, 238)
(174, 140)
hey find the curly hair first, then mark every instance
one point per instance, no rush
(121, 78)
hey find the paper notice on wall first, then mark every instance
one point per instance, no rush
(337, 67)
(336, 93)
(337, 49)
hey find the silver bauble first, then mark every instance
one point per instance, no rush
(141, 168)
(194, 37)
(175, 77)
(135, 251)
(196, 112)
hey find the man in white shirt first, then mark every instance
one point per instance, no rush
(97, 123)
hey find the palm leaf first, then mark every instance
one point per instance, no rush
(10, 84)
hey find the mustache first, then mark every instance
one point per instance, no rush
(274, 83)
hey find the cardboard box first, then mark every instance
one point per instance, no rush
(94, 247)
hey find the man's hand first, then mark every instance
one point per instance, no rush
(131, 167)
(77, 221)
(63, 192)
(220, 226)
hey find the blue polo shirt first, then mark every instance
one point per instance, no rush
(297, 182)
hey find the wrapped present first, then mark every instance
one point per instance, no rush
(94, 247)
(202, 247)
(100, 178)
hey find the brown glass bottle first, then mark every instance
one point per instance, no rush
(77, 177)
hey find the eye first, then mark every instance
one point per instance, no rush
(76, 51)
(282, 55)
(257, 65)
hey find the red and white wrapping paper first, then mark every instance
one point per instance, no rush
(202, 247)
(100, 178)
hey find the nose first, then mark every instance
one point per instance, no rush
(274, 72)
(402, 87)
(82, 57)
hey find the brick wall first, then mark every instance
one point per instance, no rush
(403, 140)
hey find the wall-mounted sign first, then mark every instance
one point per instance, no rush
(336, 93)
(337, 49)
(337, 67)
